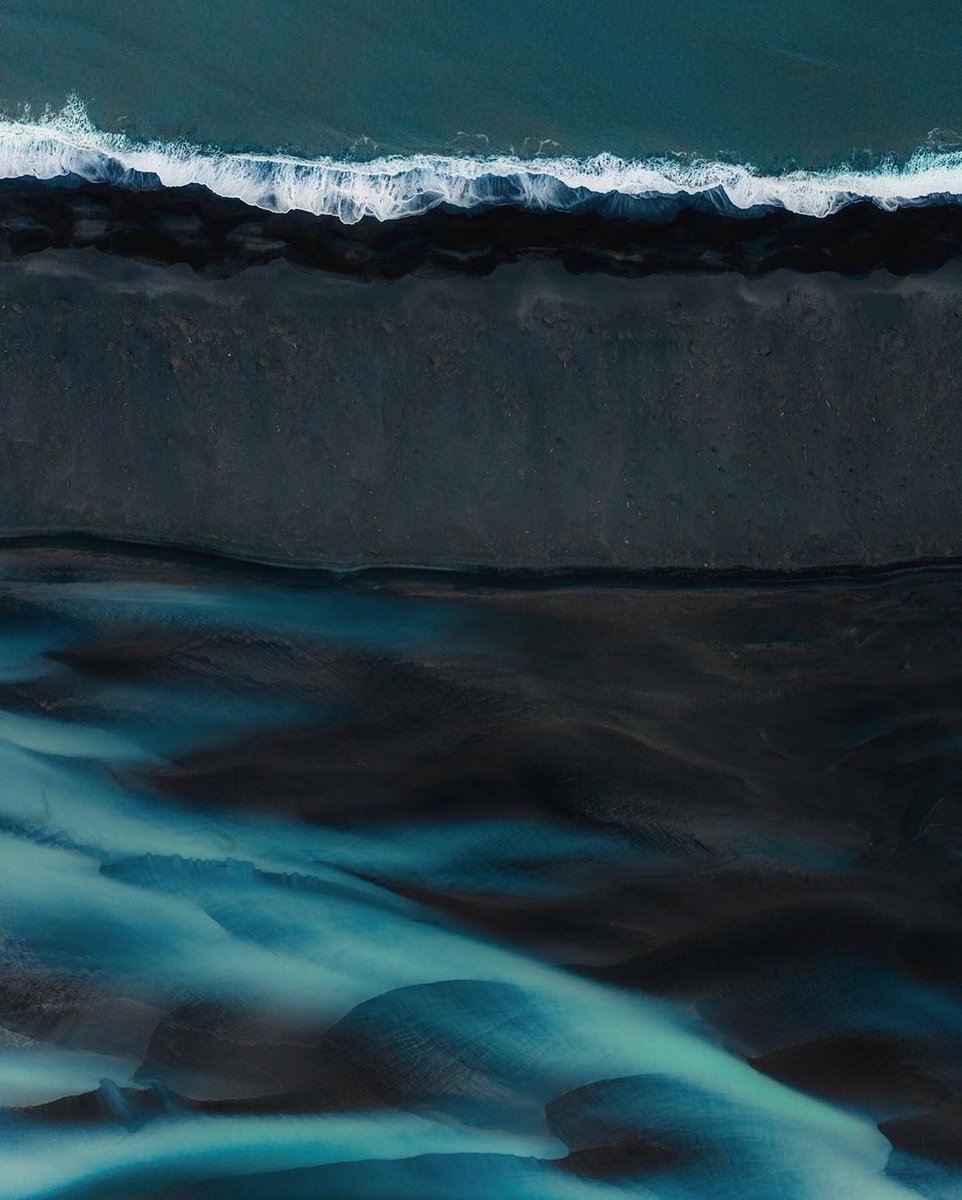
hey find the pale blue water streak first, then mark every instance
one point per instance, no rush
(155, 901)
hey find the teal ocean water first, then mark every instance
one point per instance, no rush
(725, 92)
(749, 80)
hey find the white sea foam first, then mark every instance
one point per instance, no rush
(67, 144)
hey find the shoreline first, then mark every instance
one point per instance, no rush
(218, 236)
(68, 547)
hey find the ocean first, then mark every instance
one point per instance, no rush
(547, 103)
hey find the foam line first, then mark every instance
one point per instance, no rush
(67, 144)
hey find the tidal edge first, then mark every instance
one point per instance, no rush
(221, 236)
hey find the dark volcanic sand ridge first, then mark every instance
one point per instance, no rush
(533, 418)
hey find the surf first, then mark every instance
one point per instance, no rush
(67, 146)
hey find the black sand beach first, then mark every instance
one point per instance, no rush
(480, 600)
(387, 406)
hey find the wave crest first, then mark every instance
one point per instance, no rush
(67, 144)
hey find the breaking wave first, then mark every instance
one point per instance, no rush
(67, 145)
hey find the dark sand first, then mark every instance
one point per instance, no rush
(533, 418)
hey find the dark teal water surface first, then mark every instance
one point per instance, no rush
(757, 81)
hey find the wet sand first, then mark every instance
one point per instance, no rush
(742, 802)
